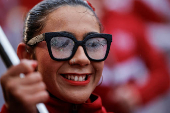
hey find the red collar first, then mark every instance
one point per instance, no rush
(55, 105)
(93, 105)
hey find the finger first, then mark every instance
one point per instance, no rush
(36, 98)
(29, 84)
(14, 89)
(34, 88)
(29, 101)
(10, 88)
(41, 97)
(31, 78)
(25, 66)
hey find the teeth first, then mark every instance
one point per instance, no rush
(80, 78)
(72, 77)
(75, 78)
(69, 77)
(84, 78)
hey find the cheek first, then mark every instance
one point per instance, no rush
(46, 66)
(43, 59)
(49, 69)
(98, 66)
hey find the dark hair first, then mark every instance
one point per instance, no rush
(36, 17)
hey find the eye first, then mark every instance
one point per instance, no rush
(93, 44)
(96, 43)
(61, 42)
(96, 48)
(64, 44)
(61, 47)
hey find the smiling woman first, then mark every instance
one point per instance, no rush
(64, 44)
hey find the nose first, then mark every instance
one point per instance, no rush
(79, 58)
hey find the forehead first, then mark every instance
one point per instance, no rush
(74, 19)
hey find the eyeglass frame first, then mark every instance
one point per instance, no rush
(49, 35)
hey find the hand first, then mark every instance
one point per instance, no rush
(22, 94)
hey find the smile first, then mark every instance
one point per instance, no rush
(76, 79)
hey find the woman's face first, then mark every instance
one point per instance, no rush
(79, 21)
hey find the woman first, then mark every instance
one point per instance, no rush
(63, 42)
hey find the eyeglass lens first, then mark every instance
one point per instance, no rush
(96, 48)
(62, 47)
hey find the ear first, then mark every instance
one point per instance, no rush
(22, 52)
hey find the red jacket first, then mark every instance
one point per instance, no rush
(54, 105)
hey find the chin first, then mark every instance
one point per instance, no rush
(77, 99)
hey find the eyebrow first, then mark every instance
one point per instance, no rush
(89, 33)
(86, 34)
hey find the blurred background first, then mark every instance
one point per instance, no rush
(137, 70)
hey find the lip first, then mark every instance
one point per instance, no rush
(77, 83)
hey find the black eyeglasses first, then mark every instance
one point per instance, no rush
(63, 45)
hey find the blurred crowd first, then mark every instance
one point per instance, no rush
(137, 70)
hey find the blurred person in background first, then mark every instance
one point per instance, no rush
(135, 77)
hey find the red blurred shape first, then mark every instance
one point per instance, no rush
(146, 13)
